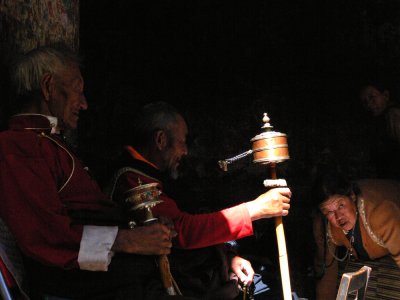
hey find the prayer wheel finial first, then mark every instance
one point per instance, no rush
(267, 126)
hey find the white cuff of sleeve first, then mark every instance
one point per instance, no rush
(95, 250)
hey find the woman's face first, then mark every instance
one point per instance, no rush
(340, 211)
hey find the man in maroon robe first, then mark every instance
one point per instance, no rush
(71, 237)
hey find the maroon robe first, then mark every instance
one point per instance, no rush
(34, 166)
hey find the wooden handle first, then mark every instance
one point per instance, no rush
(283, 259)
(166, 274)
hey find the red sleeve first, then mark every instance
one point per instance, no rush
(31, 205)
(201, 230)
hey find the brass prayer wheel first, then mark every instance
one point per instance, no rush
(269, 146)
(141, 199)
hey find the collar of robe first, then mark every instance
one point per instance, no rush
(34, 122)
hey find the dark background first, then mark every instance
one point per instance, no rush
(223, 64)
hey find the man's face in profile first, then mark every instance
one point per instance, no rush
(67, 98)
(177, 147)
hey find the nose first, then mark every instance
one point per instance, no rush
(337, 215)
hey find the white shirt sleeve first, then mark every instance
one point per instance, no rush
(95, 249)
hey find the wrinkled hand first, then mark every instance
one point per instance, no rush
(243, 270)
(273, 203)
(154, 239)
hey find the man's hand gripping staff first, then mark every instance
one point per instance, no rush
(274, 203)
(142, 198)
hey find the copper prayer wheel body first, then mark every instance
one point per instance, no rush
(270, 147)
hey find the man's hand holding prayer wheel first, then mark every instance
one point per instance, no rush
(154, 239)
(274, 203)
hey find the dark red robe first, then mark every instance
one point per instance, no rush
(34, 167)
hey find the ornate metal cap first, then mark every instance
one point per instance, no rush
(143, 196)
(268, 132)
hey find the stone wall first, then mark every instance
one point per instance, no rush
(25, 25)
(28, 24)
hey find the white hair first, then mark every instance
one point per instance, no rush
(29, 69)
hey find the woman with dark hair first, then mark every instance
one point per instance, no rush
(361, 216)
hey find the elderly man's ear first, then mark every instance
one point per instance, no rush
(46, 85)
(161, 139)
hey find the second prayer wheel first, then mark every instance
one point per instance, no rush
(140, 200)
(143, 195)
(269, 146)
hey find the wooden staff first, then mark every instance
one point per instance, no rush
(165, 271)
(270, 148)
(283, 258)
(166, 276)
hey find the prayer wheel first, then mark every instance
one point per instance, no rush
(140, 200)
(269, 146)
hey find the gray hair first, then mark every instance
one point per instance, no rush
(29, 69)
(153, 117)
